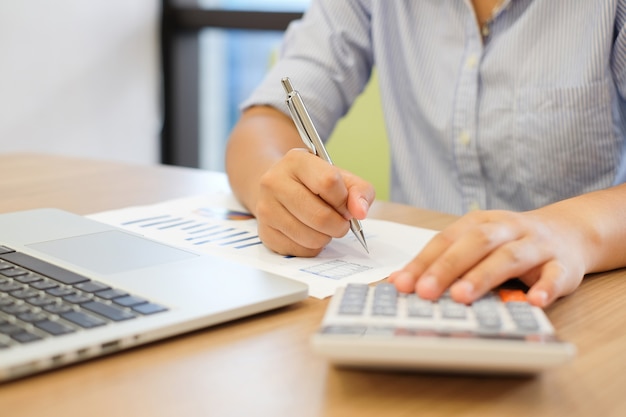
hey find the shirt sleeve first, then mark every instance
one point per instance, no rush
(328, 56)
(618, 59)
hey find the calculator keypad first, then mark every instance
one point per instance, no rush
(381, 309)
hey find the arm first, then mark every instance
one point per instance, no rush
(300, 201)
(550, 249)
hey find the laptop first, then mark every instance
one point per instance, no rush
(72, 289)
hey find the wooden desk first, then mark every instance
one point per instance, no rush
(263, 366)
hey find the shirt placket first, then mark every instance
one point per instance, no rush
(465, 129)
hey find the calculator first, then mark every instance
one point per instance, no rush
(377, 327)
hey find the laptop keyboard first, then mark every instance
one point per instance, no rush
(40, 300)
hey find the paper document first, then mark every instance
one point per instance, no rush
(217, 224)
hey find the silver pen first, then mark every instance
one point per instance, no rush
(312, 140)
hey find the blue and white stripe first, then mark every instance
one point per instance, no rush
(532, 115)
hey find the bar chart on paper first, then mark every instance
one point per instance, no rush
(200, 227)
(216, 224)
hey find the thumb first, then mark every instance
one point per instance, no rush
(361, 195)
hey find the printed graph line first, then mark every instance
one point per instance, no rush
(220, 238)
(171, 226)
(258, 242)
(163, 222)
(201, 233)
(148, 219)
(206, 229)
(336, 269)
(218, 232)
(245, 239)
(194, 226)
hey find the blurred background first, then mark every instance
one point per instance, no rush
(103, 78)
(153, 81)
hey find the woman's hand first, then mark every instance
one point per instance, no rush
(483, 249)
(304, 202)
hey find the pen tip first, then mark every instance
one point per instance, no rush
(363, 242)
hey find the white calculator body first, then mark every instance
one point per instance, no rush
(377, 327)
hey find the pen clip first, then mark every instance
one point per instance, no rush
(303, 121)
(299, 124)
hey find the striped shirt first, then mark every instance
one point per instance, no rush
(530, 114)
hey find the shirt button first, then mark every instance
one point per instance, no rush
(471, 61)
(464, 138)
(474, 206)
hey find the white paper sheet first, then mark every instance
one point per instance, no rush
(217, 224)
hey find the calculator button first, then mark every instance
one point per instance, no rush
(351, 309)
(452, 310)
(522, 315)
(353, 300)
(384, 310)
(507, 295)
(418, 307)
(487, 314)
(385, 300)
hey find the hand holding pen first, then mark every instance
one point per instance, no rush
(313, 142)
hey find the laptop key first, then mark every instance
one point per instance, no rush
(41, 300)
(44, 268)
(4, 249)
(83, 320)
(25, 337)
(91, 286)
(28, 278)
(17, 308)
(77, 298)
(111, 294)
(6, 300)
(32, 317)
(149, 308)
(54, 327)
(44, 284)
(60, 291)
(10, 286)
(109, 311)
(13, 272)
(10, 329)
(25, 293)
(129, 301)
(58, 308)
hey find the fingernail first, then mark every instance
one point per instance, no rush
(393, 276)
(463, 289)
(364, 204)
(428, 286)
(539, 297)
(400, 278)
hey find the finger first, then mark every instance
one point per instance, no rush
(405, 279)
(510, 260)
(462, 256)
(300, 201)
(317, 215)
(555, 281)
(284, 233)
(278, 242)
(326, 181)
(361, 195)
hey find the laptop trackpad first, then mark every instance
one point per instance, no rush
(111, 252)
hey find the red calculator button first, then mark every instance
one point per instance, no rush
(511, 295)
